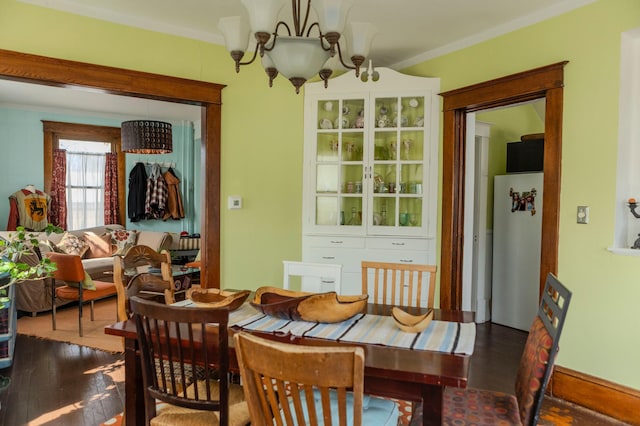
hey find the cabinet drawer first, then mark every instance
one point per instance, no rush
(391, 243)
(398, 256)
(349, 259)
(336, 241)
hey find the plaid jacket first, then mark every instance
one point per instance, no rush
(157, 192)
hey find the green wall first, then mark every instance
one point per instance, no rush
(601, 336)
(262, 138)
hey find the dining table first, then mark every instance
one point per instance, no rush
(404, 373)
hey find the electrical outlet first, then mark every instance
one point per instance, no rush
(583, 214)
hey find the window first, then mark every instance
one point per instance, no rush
(85, 182)
(85, 147)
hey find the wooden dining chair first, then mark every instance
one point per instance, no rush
(400, 284)
(194, 387)
(315, 385)
(315, 277)
(483, 407)
(70, 269)
(130, 278)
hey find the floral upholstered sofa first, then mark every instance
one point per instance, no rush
(96, 246)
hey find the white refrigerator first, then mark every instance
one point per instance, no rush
(517, 231)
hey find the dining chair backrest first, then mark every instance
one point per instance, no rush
(69, 268)
(197, 377)
(130, 280)
(401, 284)
(305, 374)
(315, 277)
(541, 348)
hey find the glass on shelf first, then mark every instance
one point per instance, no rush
(352, 147)
(327, 148)
(384, 178)
(351, 179)
(411, 179)
(410, 145)
(327, 178)
(382, 145)
(410, 212)
(351, 208)
(384, 211)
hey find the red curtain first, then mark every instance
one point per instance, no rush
(111, 206)
(58, 193)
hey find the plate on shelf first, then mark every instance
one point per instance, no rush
(325, 123)
(345, 123)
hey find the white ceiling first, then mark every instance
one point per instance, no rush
(409, 31)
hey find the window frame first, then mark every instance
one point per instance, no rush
(54, 131)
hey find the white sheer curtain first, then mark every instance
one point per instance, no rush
(85, 190)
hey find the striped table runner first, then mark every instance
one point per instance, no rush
(440, 336)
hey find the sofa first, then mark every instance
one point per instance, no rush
(35, 296)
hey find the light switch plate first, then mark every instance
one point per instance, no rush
(235, 202)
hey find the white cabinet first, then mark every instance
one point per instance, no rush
(370, 171)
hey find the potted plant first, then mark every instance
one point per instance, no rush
(13, 271)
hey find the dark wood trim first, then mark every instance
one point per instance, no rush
(544, 82)
(602, 396)
(118, 81)
(210, 180)
(80, 75)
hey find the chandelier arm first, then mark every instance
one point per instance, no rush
(306, 17)
(253, 58)
(266, 48)
(285, 25)
(351, 67)
(295, 11)
(315, 24)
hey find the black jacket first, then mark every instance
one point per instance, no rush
(137, 192)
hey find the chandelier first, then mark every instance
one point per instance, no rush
(304, 50)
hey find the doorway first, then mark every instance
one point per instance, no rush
(489, 135)
(208, 96)
(545, 82)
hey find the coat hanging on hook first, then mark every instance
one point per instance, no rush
(175, 208)
(155, 203)
(137, 192)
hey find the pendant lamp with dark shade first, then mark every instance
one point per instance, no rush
(146, 137)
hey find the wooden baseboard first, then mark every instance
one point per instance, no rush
(611, 399)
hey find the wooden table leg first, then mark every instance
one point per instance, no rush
(134, 396)
(432, 405)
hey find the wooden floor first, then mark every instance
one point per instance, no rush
(56, 383)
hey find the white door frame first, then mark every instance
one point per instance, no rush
(476, 277)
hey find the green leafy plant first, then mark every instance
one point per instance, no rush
(12, 271)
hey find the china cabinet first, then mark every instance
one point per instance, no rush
(370, 171)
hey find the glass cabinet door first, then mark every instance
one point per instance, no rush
(339, 163)
(398, 172)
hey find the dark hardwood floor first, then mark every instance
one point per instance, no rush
(56, 383)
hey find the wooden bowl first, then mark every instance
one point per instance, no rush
(315, 307)
(215, 298)
(411, 323)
